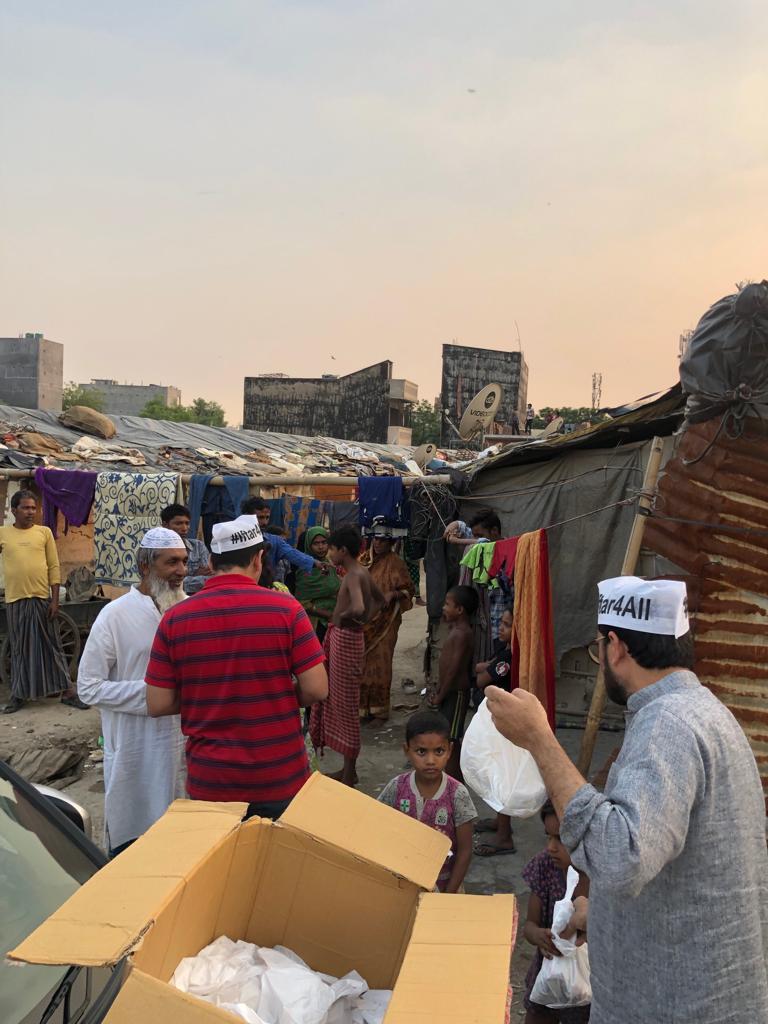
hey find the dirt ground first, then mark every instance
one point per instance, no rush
(49, 732)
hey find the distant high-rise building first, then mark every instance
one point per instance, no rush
(31, 372)
(130, 399)
(467, 370)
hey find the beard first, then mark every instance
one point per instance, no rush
(163, 594)
(614, 688)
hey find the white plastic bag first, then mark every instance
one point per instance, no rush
(504, 775)
(564, 981)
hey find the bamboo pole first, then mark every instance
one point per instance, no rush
(304, 480)
(627, 569)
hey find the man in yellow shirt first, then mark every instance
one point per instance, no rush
(32, 578)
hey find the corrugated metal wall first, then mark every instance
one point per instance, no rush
(729, 567)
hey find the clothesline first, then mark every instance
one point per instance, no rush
(552, 483)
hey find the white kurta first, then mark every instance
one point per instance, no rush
(144, 769)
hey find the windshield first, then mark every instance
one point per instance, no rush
(40, 867)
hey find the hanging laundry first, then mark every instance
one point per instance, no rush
(299, 514)
(381, 496)
(533, 646)
(69, 490)
(126, 505)
(197, 488)
(503, 561)
(478, 559)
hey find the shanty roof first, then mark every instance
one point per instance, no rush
(658, 414)
(31, 436)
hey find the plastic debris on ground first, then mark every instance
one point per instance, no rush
(275, 986)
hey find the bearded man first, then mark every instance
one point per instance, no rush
(143, 757)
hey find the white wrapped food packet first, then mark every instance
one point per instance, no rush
(564, 980)
(504, 775)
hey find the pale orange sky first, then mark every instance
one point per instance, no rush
(207, 191)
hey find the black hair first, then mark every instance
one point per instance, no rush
(173, 511)
(276, 531)
(239, 559)
(466, 598)
(487, 519)
(548, 810)
(252, 505)
(425, 722)
(347, 537)
(20, 496)
(267, 577)
(654, 650)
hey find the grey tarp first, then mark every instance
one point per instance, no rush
(581, 553)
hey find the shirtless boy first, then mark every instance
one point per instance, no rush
(336, 722)
(454, 669)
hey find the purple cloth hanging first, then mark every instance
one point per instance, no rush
(70, 490)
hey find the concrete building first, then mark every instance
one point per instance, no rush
(466, 370)
(130, 399)
(31, 372)
(367, 405)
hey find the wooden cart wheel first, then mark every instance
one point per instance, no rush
(70, 642)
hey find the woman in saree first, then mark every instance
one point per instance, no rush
(390, 574)
(317, 591)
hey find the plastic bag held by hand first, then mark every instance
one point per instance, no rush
(564, 981)
(504, 775)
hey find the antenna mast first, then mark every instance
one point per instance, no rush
(597, 390)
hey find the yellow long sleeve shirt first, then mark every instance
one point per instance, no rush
(30, 562)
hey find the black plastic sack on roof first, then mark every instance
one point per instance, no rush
(724, 371)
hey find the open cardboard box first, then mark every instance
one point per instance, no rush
(340, 879)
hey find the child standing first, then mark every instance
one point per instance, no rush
(431, 796)
(545, 875)
(450, 697)
(497, 672)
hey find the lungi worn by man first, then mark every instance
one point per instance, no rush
(32, 577)
(675, 847)
(143, 756)
(336, 722)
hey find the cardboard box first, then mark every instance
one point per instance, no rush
(340, 879)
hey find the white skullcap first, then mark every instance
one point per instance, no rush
(243, 532)
(159, 537)
(648, 606)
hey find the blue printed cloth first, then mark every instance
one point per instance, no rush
(126, 505)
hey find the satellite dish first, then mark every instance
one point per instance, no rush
(424, 455)
(481, 412)
(553, 427)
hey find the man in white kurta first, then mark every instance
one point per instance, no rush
(143, 757)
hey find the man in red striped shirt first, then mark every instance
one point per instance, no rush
(237, 662)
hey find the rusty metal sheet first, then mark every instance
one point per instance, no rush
(727, 563)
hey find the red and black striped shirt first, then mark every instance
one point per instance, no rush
(231, 650)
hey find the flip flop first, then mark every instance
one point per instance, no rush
(489, 850)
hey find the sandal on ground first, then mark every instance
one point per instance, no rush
(15, 704)
(491, 850)
(75, 702)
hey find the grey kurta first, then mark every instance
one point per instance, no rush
(675, 850)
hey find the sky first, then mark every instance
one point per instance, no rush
(194, 192)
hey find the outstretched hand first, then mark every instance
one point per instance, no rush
(519, 716)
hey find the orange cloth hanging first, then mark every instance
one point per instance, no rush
(533, 645)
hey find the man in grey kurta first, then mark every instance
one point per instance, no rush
(675, 847)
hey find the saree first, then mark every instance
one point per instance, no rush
(389, 572)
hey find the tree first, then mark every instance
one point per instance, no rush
(201, 411)
(425, 422)
(73, 394)
(569, 414)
